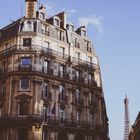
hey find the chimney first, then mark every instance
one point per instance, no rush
(31, 6)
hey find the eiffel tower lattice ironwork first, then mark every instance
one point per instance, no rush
(127, 119)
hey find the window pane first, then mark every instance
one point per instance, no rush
(24, 83)
(56, 22)
(27, 42)
(26, 61)
(46, 44)
(23, 108)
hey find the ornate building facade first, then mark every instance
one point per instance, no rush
(50, 80)
(135, 130)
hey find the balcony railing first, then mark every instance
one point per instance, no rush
(25, 68)
(84, 63)
(52, 74)
(67, 122)
(5, 52)
(14, 118)
(49, 121)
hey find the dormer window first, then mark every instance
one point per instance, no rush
(70, 27)
(42, 16)
(57, 22)
(83, 33)
(41, 13)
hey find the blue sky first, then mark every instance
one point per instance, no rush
(114, 28)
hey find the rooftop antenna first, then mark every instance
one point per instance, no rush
(127, 121)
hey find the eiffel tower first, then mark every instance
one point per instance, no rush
(127, 121)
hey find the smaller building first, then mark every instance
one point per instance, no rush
(135, 130)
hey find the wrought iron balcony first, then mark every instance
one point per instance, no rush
(84, 63)
(25, 68)
(71, 123)
(8, 51)
(20, 119)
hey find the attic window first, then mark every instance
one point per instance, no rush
(83, 33)
(42, 15)
(70, 27)
(56, 22)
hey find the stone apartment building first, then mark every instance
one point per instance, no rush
(135, 130)
(50, 80)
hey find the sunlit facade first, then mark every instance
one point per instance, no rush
(50, 80)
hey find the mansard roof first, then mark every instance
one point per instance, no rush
(9, 31)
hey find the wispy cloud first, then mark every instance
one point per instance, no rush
(96, 21)
(72, 11)
(52, 9)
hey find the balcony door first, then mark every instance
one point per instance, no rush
(23, 107)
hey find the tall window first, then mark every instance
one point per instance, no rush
(46, 66)
(76, 44)
(45, 89)
(61, 92)
(24, 84)
(89, 78)
(77, 75)
(78, 117)
(62, 69)
(45, 113)
(77, 55)
(23, 107)
(60, 35)
(3, 89)
(27, 42)
(25, 61)
(78, 95)
(45, 29)
(91, 97)
(62, 51)
(62, 115)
